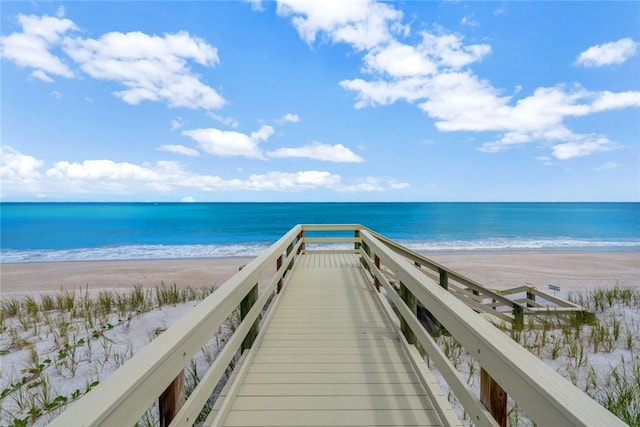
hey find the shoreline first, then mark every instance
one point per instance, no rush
(494, 269)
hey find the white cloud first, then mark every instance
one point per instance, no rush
(434, 75)
(56, 94)
(399, 60)
(227, 121)
(20, 176)
(608, 53)
(293, 181)
(177, 124)
(584, 146)
(435, 53)
(291, 118)
(361, 23)
(468, 20)
(546, 161)
(610, 101)
(41, 75)
(101, 170)
(608, 165)
(179, 149)
(188, 199)
(256, 5)
(230, 143)
(31, 47)
(14, 164)
(371, 184)
(460, 101)
(395, 185)
(151, 67)
(329, 153)
(19, 173)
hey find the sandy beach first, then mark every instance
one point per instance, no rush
(570, 270)
(46, 276)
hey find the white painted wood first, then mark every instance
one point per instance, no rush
(332, 338)
(298, 403)
(331, 357)
(302, 418)
(469, 400)
(355, 389)
(546, 397)
(125, 395)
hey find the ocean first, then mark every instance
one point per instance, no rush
(36, 232)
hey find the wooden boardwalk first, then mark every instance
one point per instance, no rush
(330, 357)
(330, 351)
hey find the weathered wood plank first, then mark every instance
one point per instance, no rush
(331, 378)
(361, 402)
(364, 358)
(332, 368)
(284, 390)
(324, 350)
(333, 418)
(330, 336)
(330, 357)
(332, 343)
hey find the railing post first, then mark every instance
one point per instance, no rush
(518, 316)
(289, 248)
(376, 261)
(493, 397)
(301, 237)
(172, 399)
(245, 306)
(530, 296)
(412, 303)
(356, 235)
(444, 278)
(278, 266)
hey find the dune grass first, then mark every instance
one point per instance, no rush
(602, 358)
(58, 347)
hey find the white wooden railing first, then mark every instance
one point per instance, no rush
(548, 399)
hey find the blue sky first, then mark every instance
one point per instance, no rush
(320, 101)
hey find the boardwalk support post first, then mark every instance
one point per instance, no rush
(376, 281)
(357, 235)
(518, 316)
(530, 296)
(172, 399)
(278, 266)
(444, 278)
(245, 306)
(493, 397)
(412, 303)
(301, 237)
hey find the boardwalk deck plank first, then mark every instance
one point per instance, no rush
(330, 357)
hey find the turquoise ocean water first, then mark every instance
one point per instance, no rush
(32, 232)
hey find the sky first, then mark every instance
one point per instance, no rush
(353, 100)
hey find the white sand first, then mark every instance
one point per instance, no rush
(570, 270)
(44, 276)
